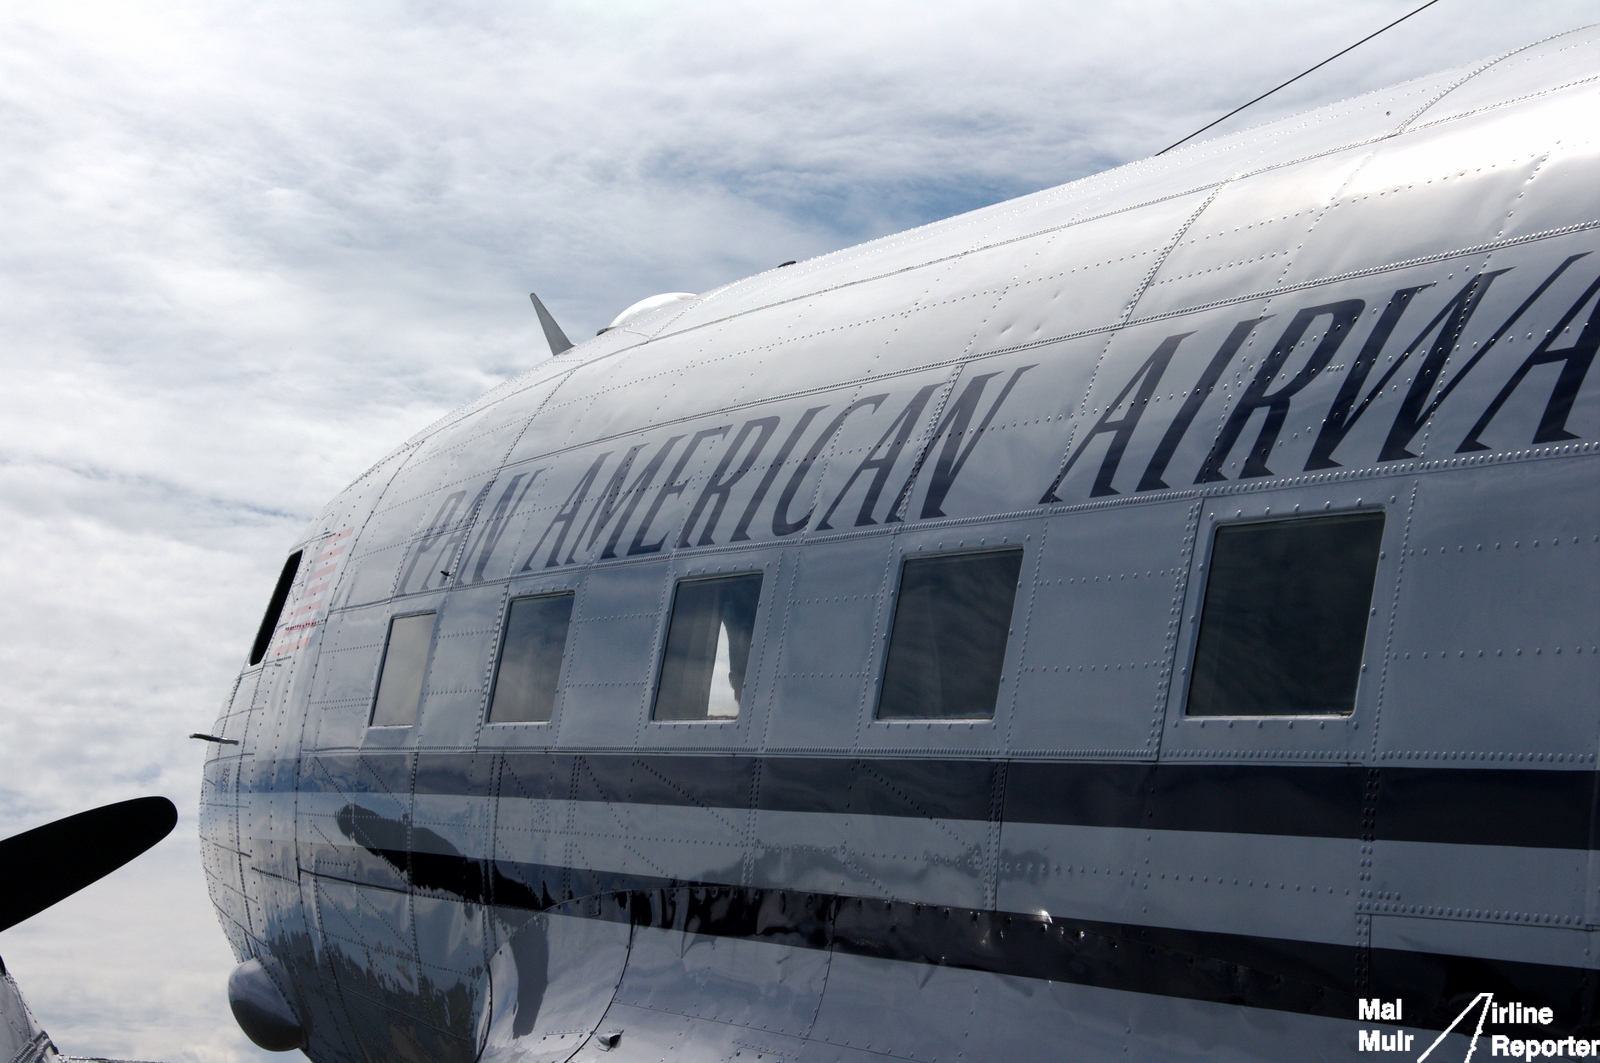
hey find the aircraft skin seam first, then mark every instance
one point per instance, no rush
(1402, 468)
(748, 832)
(945, 259)
(1488, 107)
(789, 567)
(1162, 255)
(497, 636)
(1165, 688)
(372, 511)
(1319, 282)
(880, 808)
(678, 310)
(878, 644)
(1376, 139)
(1394, 615)
(1533, 175)
(1022, 657)
(1125, 932)
(1067, 337)
(658, 647)
(1085, 755)
(1224, 143)
(515, 386)
(1143, 286)
(1400, 575)
(1112, 213)
(1474, 72)
(996, 831)
(1368, 900)
(926, 434)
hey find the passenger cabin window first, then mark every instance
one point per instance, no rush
(1285, 617)
(948, 642)
(269, 621)
(530, 659)
(405, 660)
(708, 648)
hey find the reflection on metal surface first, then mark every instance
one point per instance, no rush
(645, 307)
(551, 984)
(261, 1010)
(21, 1038)
(524, 689)
(1382, 315)
(1501, 806)
(405, 663)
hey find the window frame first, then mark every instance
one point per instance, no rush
(503, 631)
(383, 660)
(1189, 649)
(756, 622)
(1007, 672)
(273, 615)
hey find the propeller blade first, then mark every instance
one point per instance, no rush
(46, 864)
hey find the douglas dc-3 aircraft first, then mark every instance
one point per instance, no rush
(1150, 619)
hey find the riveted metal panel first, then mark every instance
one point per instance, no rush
(1099, 631)
(347, 664)
(822, 669)
(616, 622)
(551, 982)
(1326, 739)
(863, 993)
(1429, 193)
(1248, 235)
(456, 695)
(1203, 883)
(756, 984)
(1522, 73)
(1282, 887)
(1562, 946)
(1488, 648)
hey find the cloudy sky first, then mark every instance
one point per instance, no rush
(250, 247)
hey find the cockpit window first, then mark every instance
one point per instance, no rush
(269, 621)
(708, 648)
(530, 659)
(948, 644)
(405, 661)
(1285, 617)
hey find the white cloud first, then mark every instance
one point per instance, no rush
(250, 247)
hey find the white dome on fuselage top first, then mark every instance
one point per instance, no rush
(645, 306)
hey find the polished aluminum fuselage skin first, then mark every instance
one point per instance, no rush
(1389, 303)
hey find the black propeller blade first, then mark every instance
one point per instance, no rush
(41, 866)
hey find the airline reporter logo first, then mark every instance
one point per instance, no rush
(1528, 1046)
(1375, 1010)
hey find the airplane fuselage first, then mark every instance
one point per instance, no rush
(1164, 795)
